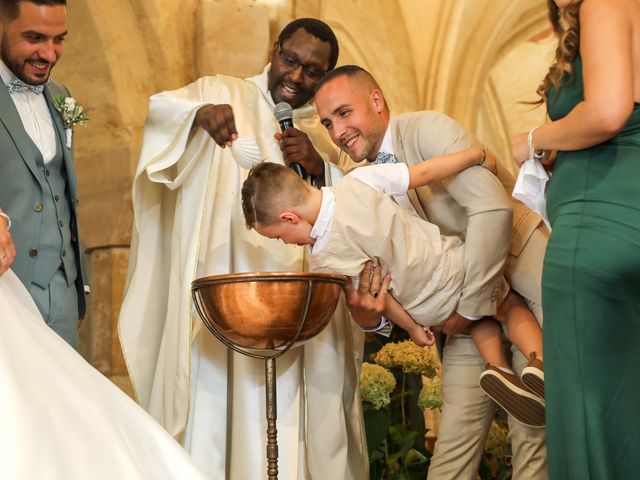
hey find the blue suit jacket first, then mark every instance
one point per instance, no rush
(22, 185)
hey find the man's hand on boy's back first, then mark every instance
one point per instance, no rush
(367, 301)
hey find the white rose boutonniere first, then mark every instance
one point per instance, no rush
(71, 114)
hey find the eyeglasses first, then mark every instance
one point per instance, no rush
(290, 62)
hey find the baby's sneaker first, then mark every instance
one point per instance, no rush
(533, 375)
(510, 393)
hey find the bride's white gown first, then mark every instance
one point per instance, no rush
(60, 419)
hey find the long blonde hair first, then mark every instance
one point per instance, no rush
(566, 24)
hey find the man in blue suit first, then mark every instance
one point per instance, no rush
(37, 178)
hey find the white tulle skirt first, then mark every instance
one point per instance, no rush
(60, 418)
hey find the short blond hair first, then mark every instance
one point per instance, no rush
(270, 189)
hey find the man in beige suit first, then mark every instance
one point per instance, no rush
(474, 205)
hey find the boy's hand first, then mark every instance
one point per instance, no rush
(422, 336)
(490, 161)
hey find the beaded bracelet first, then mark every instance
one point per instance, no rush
(532, 148)
(484, 156)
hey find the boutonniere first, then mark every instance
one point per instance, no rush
(71, 114)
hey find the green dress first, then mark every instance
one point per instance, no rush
(591, 301)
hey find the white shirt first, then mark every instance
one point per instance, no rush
(390, 178)
(35, 115)
(387, 142)
(322, 227)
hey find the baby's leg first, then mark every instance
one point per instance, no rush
(487, 335)
(522, 327)
(499, 382)
(525, 333)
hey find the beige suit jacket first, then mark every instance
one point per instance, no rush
(426, 268)
(473, 204)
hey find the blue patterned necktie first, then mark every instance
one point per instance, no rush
(384, 157)
(17, 86)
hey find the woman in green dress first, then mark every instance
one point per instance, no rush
(591, 276)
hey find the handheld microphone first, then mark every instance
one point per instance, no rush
(284, 115)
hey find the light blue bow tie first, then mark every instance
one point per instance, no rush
(18, 85)
(384, 157)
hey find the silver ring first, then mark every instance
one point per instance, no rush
(375, 294)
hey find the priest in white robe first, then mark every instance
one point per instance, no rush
(189, 224)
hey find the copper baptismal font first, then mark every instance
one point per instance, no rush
(263, 315)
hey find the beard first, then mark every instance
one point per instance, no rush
(368, 150)
(17, 68)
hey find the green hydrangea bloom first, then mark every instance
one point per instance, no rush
(376, 385)
(409, 357)
(429, 398)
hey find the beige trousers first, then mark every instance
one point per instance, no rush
(467, 412)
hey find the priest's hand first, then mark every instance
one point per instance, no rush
(297, 148)
(7, 249)
(219, 122)
(365, 303)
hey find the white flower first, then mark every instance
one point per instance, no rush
(69, 103)
(69, 110)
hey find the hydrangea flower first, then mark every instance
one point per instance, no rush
(429, 398)
(409, 357)
(376, 385)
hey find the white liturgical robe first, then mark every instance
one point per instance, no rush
(61, 418)
(189, 224)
